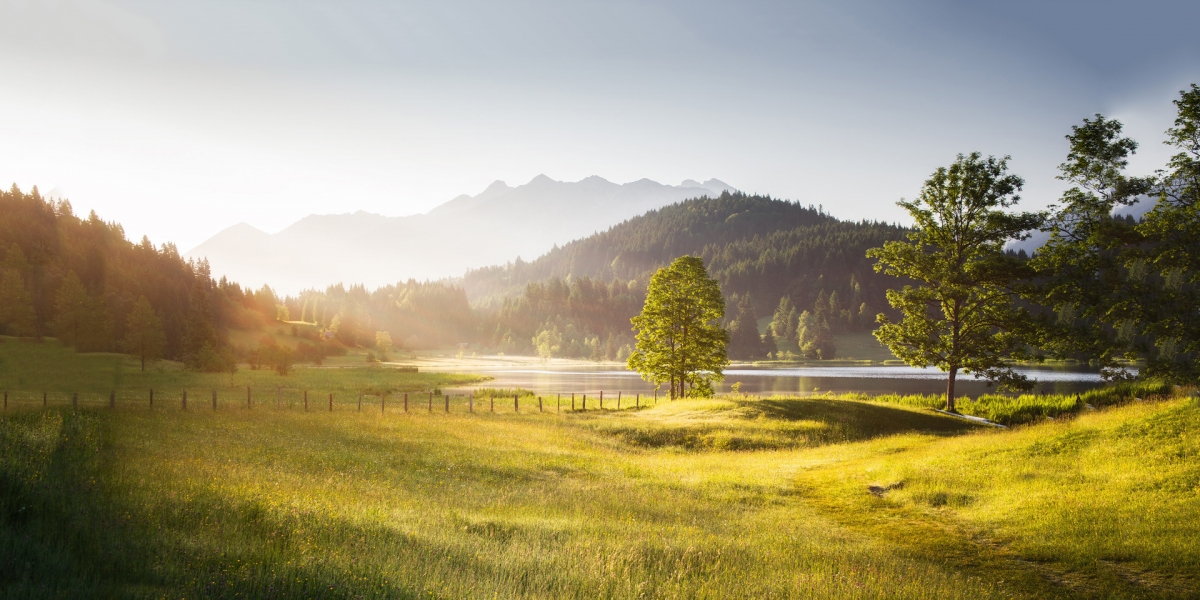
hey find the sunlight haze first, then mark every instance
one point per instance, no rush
(181, 119)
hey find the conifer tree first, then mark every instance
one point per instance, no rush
(144, 336)
(72, 307)
(17, 316)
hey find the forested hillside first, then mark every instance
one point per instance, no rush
(80, 280)
(786, 257)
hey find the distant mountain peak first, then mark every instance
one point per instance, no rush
(470, 231)
(497, 186)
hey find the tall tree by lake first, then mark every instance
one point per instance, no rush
(961, 314)
(679, 337)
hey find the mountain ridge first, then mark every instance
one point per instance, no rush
(498, 225)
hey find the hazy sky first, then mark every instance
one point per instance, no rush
(178, 119)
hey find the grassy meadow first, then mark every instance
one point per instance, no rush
(729, 497)
(29, 369)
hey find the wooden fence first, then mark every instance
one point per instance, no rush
(298, 399)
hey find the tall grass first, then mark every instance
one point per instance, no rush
(1008, 409)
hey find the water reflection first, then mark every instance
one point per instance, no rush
(806, 379)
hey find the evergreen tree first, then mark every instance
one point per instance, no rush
(202, 349)
(814, 337)
(17, 316)
(679, 339)
(744, 339)
(783, 322)
(144, 336)
(72, 310)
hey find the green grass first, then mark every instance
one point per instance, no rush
(1028, 408)
(729, 497)
(27, 369)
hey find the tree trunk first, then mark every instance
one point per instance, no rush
(950, 390)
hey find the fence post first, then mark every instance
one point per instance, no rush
(305, 400)
(248, 404)
(601, 399)
(360, 403)
(585, 402)
(572, 400)
(112, 399)
(214, 399)
(75, 400)
(492, 403)
(540, 404)
(184, 399)
(637, 402)
(5, 399)
(331, 403)
(405, 401)
(44, 399)
(471, 403)
(560, 403)
(516, 407)
(430, 401)
(618, 400)
(655, 396)
(447, 403)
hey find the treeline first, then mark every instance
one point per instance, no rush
(412, 315)
(80, 280)
(771, 257)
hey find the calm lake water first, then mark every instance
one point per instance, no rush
(807, 379)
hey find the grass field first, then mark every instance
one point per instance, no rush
(29, 369)
(753, 498)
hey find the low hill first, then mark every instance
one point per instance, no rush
(756, 244)
(759, 246)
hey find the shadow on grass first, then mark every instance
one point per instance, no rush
(779, 424)
(67, 532)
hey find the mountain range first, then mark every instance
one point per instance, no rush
(496, 226)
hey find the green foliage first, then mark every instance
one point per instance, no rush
(744, 339)
(17, 316)
(80, 319)
(144, 336)
(1164, 273)
(753, 245)
(678, 338)
(962, 312)
(814, 337)
(1081, 267)
(785, 320)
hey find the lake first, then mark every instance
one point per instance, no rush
(586, 379)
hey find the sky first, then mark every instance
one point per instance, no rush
(178, 119)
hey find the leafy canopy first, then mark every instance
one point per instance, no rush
(679, 339)
(960, 314)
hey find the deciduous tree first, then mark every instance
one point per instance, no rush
(961, 313)
(679, 339)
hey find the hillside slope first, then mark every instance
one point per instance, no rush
(770, 249)
(755, 244)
